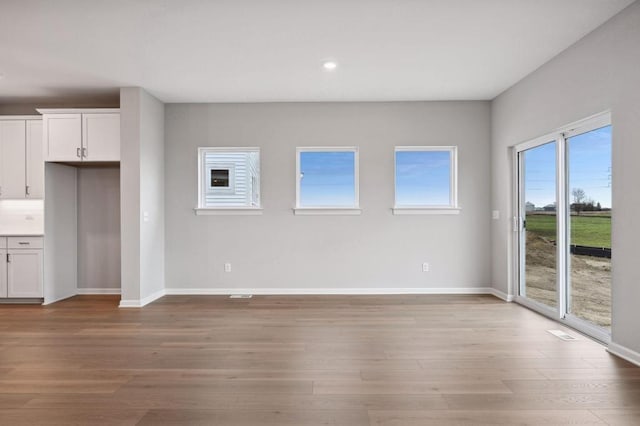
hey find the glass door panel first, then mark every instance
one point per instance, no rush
(538, 269)
(589, 193)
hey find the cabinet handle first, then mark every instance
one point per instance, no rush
(23, 243)
(84, 152)
(26, 190)
(78, 152)
(8, 258)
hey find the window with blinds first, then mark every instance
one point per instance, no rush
(229, 177)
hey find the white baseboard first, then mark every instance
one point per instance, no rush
(326, 291)
(98, 291)
(139, 303)
(624, 353)
(501, 295)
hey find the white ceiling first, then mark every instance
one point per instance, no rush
(272, 50)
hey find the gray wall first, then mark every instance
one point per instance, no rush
(142, 190)
(281, 251)
(130, 217)
(152, 195)
(99, 227)
(600, 72)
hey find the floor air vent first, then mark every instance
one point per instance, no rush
(241, 296)
(562, 335)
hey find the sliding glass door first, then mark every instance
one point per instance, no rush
(563, 225)
(589, 236)
(538, 225)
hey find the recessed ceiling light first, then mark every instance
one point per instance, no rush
(329, 65)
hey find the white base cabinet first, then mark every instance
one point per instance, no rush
(3, 272)
(21, 265)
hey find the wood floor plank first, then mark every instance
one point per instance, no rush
(78, 416)
(297, 417)
(452, 375)
(573, 386)
(543, 401)
(359, 387)
(488, 418)
(619, 417)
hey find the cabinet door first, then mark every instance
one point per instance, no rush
(62, 137)
(35, 160)
(3, 273)
(101, 137)
(12, 159)
(24, 273)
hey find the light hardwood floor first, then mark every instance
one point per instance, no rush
(304, 360)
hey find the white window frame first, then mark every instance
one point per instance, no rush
(201, 209)
(452, 207)
(329, 210)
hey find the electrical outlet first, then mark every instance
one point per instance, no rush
(227, 267)
(425, 267)
(495, 214)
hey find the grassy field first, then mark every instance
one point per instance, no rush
(586, 229)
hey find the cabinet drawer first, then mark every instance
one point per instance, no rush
(24, 242)
(3, 243)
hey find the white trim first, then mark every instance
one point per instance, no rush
(228, 211)
(320, 211)
(57, 299)
(98, 291)
(583, 326)
(425, 210)
(538, 307)
(501, 295)
(328, 291)
(624, 353)
(77, 110)
(20, 117)
(453, 176)
(588, 124)
(356, 177)
(584, 125)
(133, 303)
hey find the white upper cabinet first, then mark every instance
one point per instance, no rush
(21, 162)
(12, 159)
(62, 137)
(35, 160)
(81, 135)
(101, 137)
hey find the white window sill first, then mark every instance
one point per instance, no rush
(425, 210)
(228, 211)
(336, 211)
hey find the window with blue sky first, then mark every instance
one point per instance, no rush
(327, 177)
(425, 177)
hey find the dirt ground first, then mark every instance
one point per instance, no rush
(590, 295)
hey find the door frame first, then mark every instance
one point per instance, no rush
(563, 265)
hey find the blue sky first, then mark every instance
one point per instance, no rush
(589, 168)
(423, 178)
(329, 179)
